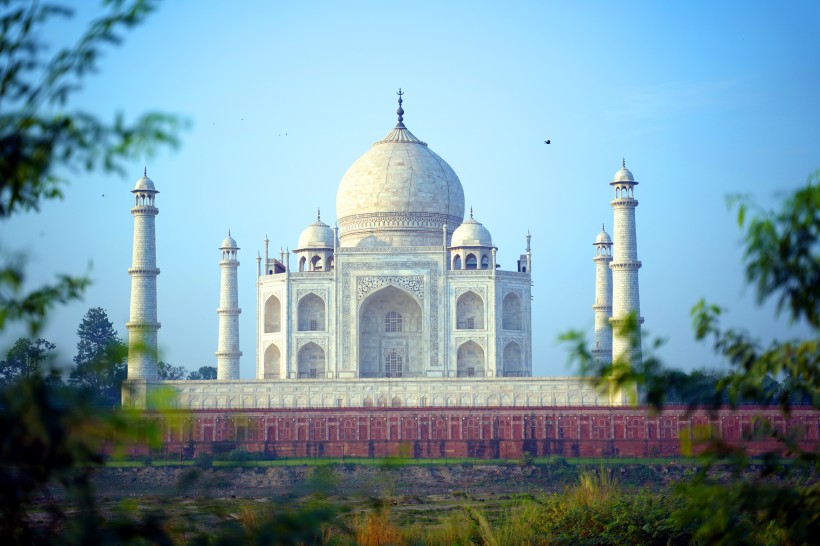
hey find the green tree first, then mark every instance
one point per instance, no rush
(168, 372)
(99, 366)
(28, 358)
(780, 503)
(204, 372)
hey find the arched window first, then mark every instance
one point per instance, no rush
(511, 312)
(485, 262)
(668, 429)
(470, 360)
(392, 322)
(311, 314)
(273, 315)
(470, 312)
(272, 362)
(457, 262)
(330, 264)
(311, 362)
(513, 360)
(393, 364)
(316, 263)
(302, 262)
(470, 262)
(635, 429)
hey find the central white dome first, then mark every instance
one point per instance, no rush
(399, 193)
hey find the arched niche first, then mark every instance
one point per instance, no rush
(316, 263)
(311, 362)
(511, 312)
(457, 262)
(470, 360)
(390, 329)
(273, 363)
(273, 315)
(485, 261)
(470, 262)
(302, 262)
(470, 312)
(311, 314)
(513, 360)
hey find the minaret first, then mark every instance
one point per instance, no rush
(228, 353)
(142, 324)
(602, 350)
(626, 348)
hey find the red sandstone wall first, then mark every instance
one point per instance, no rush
(475, 432)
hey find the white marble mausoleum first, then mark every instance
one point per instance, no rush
(400, 304)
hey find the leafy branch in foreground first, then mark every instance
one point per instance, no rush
(779, 503)
(38, 136)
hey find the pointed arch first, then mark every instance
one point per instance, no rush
(470, 360)
(311, 314)
(273, 315)
(513, 360)
(457, 262)
(390, 330)
(470, 312)
(485, 261)
(302, 262)
(311, 362)
(511, 311)
(316, 263)
(470, 262)
(273, 363)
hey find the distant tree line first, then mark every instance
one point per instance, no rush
(99, 366)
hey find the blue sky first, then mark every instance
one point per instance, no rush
(703, 99)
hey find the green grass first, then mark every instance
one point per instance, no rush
(160, 461)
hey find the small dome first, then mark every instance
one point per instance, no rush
(316, 235)
(603, 238)
(623, 174)
(471, 233)
(145, 183)
(229, 242)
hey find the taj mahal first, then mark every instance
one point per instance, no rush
(399, 304)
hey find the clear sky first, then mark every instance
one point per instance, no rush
(703, 99)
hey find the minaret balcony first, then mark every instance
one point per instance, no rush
(625, 265)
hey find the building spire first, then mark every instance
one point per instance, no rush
(318, 214)
(471, 213)
(623, 162)
(145, 171)
(400, 110)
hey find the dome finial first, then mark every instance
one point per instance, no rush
(318, 214)
(471, 213)
(145, 171)
(400, 110)
(602, 227)
(229, 232)
(623, 162)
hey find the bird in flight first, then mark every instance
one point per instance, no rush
(547, 142)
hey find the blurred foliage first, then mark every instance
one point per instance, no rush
(43, 140)
(780, 503)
